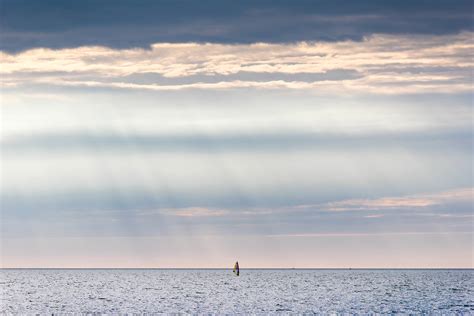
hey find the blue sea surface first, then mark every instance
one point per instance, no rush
(221, 292)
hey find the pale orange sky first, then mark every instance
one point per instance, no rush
(388, 251)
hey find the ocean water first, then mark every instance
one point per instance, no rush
(220, 292)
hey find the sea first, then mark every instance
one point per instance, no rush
(219, 291)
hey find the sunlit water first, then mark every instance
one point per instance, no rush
(220, 292)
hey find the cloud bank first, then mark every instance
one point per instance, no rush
(379, 64)
(124, 24)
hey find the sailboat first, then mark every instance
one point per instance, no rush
(236, 268)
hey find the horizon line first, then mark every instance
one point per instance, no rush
(230, 268)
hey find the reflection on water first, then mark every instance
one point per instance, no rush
(220, 291)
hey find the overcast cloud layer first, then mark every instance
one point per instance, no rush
(291, 134)
(123, 24)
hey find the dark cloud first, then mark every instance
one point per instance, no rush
(122, 24)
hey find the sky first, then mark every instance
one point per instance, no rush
(307, 134)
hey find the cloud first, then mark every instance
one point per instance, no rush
(228, 141)
(379, 64)
(124, 216)
(418, 201)
(456, 215)
(374, 216)
(345, 235)
(412, 202)
(188, 212)
(57, 24)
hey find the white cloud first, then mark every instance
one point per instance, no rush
(188, 212)
(412, 202)
(386, 64)
(374, 216)
(417, 201)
